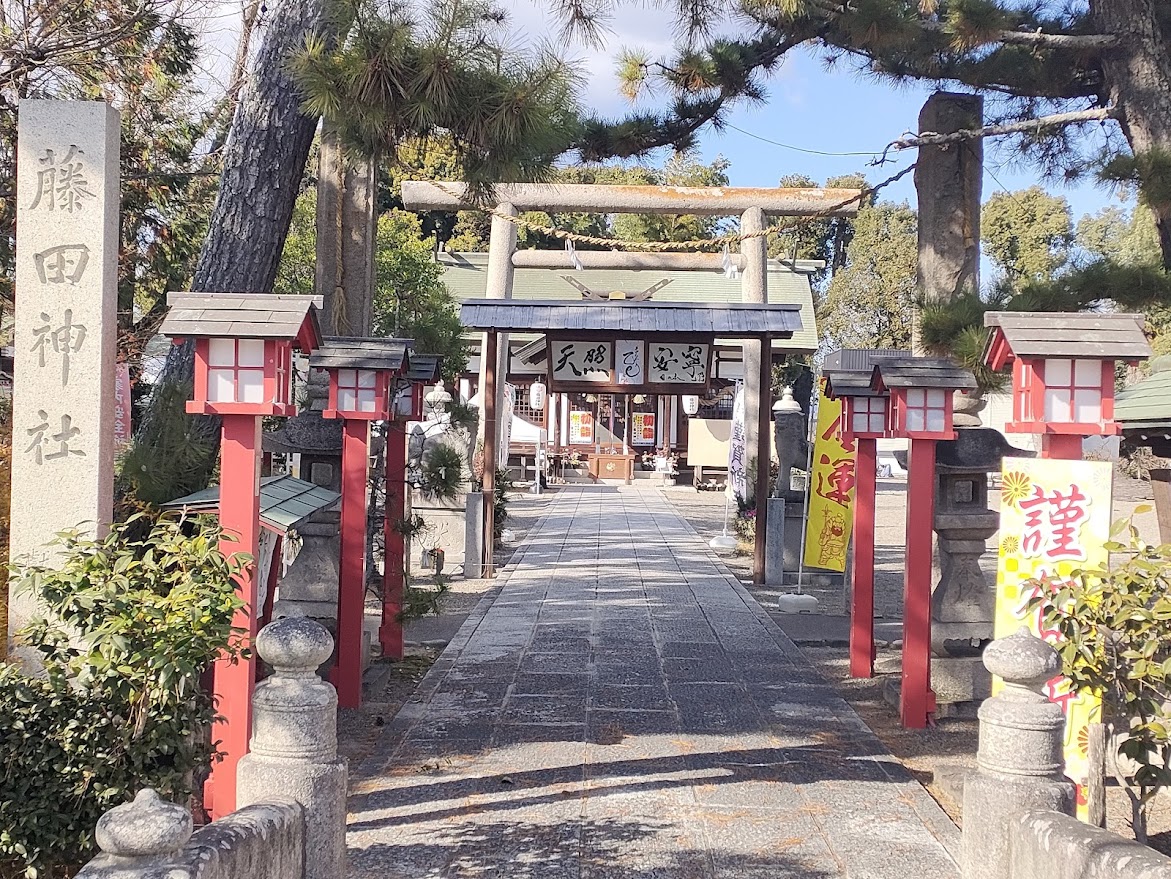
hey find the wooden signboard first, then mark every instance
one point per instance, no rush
(630, 365)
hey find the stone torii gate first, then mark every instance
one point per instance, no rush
(752, 204)
(635, 326)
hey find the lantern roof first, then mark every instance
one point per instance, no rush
(341, 352)
(849, 383)
(424, 367)
(244, 316)
(921, 372)
(1082, 335)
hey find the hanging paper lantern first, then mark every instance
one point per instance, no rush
(690, 404)
(537, 396)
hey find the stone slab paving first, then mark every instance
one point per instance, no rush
(621, 706)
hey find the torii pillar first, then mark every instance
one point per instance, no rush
(757, 361)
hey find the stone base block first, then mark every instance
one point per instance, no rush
(445, 529)
(959, 680)
(320, 788)
(992, 806)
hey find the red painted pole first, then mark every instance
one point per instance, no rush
(1061, 446)
(390, 633)
(862, 605)
(235, 679)
(347, 673)
(916, 701)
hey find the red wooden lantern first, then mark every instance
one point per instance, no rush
(921, 390)
(865, 412)
(361, 374)
(1063, 367)
(243, 371)
(243, 349)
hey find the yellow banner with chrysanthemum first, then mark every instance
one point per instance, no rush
(1054, 521)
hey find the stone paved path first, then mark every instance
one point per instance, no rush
(622, 707)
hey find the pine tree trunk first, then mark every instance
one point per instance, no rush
(264, 159)
(1138, 76)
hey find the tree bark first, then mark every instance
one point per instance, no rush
(1138, 78)
(264, 160)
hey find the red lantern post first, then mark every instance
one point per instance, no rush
(243, 372)
(864, 420)
(1063, 372)
(921, 392)
(423, 369)
(361, 372)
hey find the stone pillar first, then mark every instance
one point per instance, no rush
(500, 274)
(753, 288)
(948, 179)
(1020, 766)
(294, 742)
(139, 839)
(347, 228)
(792, 446)
(67, 199)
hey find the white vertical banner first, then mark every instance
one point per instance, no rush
(506, 424)
(737, 485)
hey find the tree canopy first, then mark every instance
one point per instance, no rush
(1056, 64)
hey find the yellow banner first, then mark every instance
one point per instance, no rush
(831, 498)
(1054, 519)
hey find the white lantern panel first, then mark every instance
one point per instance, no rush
(366, 400)
(347, 399)
(347, 378)
(916, 420)
(221, 352)
(251, 385)
(1058, 371)
(1087, 373)
(935, 420)
(860, 422)
(221, 385)
(365, 378)
(1058, 405)
(916, 397)
(251, 352)
(877, 422)
(936, 399)
(1087, 405)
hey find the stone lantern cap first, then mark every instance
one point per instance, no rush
(147, 827)
(1022, 659)
(1077, 335)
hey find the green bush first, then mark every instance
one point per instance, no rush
(1114, 628)
(130, 625)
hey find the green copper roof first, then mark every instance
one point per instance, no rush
(285, 502)
(465, 275)
(1147, 403)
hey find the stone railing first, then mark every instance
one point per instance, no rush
(1018, 805)
(291, 788)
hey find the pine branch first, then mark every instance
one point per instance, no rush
(1037, 38)
(928, 138)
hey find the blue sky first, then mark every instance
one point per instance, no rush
(808, 106)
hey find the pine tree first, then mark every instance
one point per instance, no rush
(1051, 64)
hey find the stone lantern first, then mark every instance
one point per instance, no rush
(243, 372)
(1063, 372)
